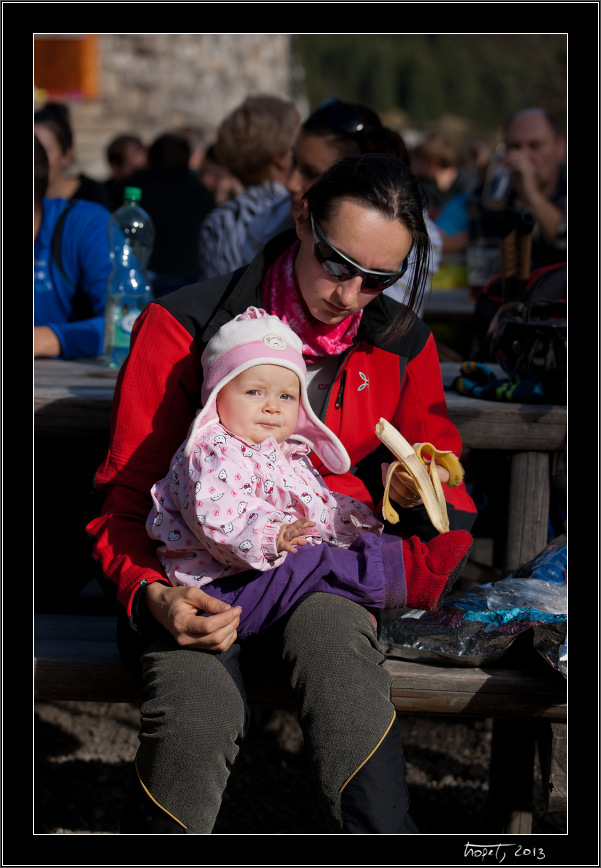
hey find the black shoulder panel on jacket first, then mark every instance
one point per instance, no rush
(202, 308)
(196, 305)
(378, 315)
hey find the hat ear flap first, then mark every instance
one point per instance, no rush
(206, 416)
(320, 438)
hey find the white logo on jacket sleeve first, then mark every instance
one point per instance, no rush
(365, 382)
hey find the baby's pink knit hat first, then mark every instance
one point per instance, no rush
(258, 338)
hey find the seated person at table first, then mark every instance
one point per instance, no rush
(177, 203)
(241, 494)
(535, 154)
(52, 126)
(436, 163)
(253, 142)
(125, 154)
(71, 268)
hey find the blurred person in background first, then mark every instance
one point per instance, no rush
(253, 143)
(198, 141)
(436, 163)
(218, 179)
(52, 126)
(537, 184)
(71, 268)
(535, 157)
(177, 203)
(125, 154)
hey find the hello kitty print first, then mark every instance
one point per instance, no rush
(219, 511)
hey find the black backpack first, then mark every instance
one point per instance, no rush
(530, 335)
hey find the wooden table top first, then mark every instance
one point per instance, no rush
(449, 305)
(76, 396)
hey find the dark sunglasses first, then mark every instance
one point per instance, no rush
(341, 267)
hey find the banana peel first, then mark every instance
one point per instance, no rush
(426, 478)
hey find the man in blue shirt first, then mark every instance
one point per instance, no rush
(69, 277)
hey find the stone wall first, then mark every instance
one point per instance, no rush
(153, 82)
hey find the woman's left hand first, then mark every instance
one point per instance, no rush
(403, 490)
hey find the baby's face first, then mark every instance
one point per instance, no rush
(259, 403)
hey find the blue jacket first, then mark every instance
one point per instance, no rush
(76, 318)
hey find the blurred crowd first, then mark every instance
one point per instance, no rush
(216, 202)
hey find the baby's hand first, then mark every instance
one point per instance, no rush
(291, 535)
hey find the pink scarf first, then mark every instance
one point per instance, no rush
(281, 297)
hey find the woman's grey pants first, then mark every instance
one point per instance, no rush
(194, 718)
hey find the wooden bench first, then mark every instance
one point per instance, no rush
(76, 658)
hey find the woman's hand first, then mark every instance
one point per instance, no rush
(292, 535)
(178, 609)
(403, 489)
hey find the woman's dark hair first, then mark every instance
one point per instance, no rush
(117, 148)
(40, 172)
(55, 116)
(169, 150)
(354, 129)
(382, 183)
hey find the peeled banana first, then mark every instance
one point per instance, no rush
(426, 478)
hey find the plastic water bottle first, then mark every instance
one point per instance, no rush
(131, 238)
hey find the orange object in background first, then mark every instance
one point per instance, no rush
(67, 66)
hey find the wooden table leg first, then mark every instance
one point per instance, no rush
(552, 749)
(529, 502)
(512, 776)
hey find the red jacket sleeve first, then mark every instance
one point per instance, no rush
(156, 396)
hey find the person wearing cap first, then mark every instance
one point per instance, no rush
(367, 356)
(241, 495)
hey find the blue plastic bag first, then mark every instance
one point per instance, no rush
(480, 625)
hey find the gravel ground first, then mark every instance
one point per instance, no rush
(83, 752)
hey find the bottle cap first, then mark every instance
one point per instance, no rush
(133, 193)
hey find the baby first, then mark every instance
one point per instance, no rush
(242, 498)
